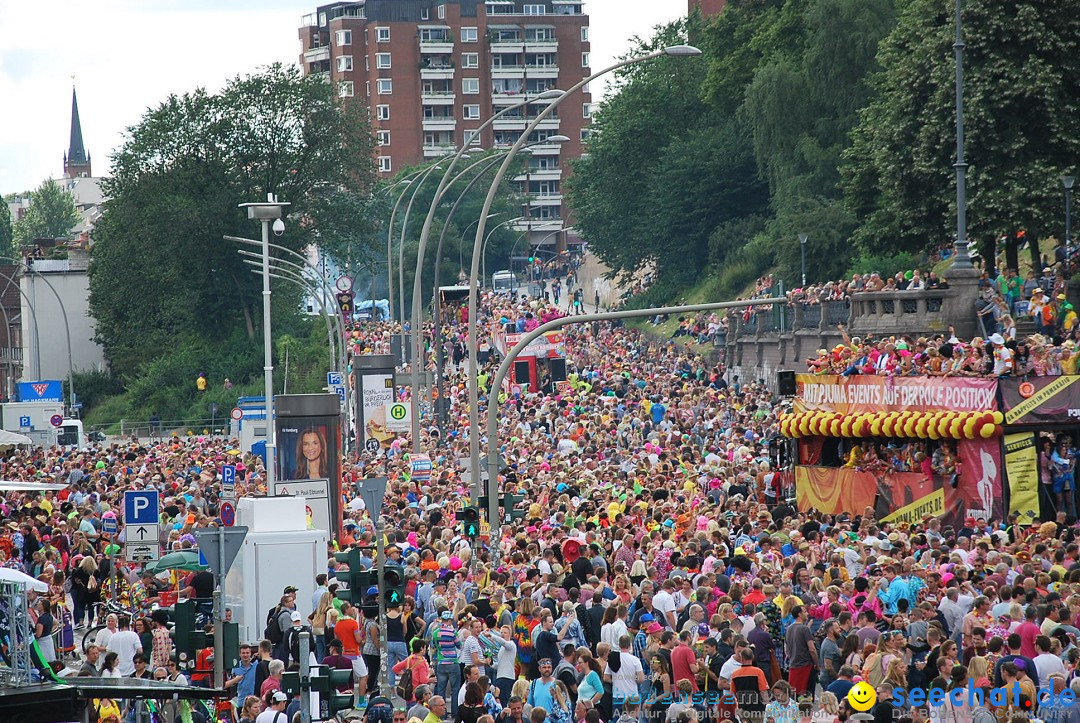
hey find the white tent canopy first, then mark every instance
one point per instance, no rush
(11, 575)
(10, 439)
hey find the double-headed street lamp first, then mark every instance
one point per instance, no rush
(474, 332)
(269, 214)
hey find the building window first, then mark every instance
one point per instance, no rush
(345, 89)
(585, 135)
(535, 10)
(584, 33)
(468, 35)
(344, 37)
(382, 112)
(384, 86)
(385, 164)
(472, 138)
(472, 112)
(382, 60)
(470, 60)
(442, 12)
(384, 138)
(470, 86)
(425, 14)
(586, 110)
(382, 35)
(344, 63)
(584, 60)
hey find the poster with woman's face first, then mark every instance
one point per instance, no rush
(305, 451)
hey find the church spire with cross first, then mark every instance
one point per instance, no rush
(76, 160)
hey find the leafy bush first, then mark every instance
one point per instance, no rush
(885, 264)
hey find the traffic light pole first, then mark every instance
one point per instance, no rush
(305, 677)
(380, 555)
(219, 613)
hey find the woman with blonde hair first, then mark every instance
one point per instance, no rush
(319, 624)
(828, 711)
(979, 672)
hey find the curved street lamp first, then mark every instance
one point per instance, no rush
(474, 414)
(466, 147)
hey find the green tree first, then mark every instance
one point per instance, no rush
(1022, 101)
(51, 215)
(662, 170)
(6, 230)
(173, 194)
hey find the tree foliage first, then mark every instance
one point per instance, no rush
(696, 158)
(7, 233)
(161, 274)
(1022, 103)
(51, 215)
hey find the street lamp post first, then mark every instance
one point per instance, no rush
(268, 213)
(401, 260)
(474, 332)
(1068, 182)
(802, 247)
(483, 250)
(962, 259)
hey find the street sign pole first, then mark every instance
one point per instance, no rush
(305, 677)
(219, 613)
(380, 555)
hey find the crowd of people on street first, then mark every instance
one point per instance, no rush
(659, 570)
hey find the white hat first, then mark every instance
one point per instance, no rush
(997, 339)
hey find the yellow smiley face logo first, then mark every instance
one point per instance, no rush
(862, 697)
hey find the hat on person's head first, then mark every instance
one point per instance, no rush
(997, 339)
(447, 615)
(653, 628)
(647, 618)
(279, 697)
(1060, 297)
(295, 616)
(290, 588)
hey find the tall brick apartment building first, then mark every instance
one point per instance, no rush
(431, 71)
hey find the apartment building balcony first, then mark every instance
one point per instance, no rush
(540, 174)
(438, 47)
(539, 225)
(442, 123)
(439, 149)
(509, 124)
(541, 46)
(546, 148)
(442, 72)
(542, 71)
(545, 199)
(506, 46)
(513, 97)
(437, 97)
(316, 55)
(548, 124)
(508, 71)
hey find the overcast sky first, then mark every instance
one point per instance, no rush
(128, 55)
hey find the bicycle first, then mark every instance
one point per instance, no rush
(102, 610)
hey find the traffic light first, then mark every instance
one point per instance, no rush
(345, 303)
(510, 506)
(532, 259)
(393, 585)
(336, 700)
(470, 517)
(359, 580)
(184, 634)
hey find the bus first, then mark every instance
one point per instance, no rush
(504, 282)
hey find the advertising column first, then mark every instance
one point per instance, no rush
(309, 455)
(375, 390)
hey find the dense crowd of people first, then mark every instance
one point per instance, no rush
(660, 571)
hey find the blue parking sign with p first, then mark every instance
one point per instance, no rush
(228, 475)
(141, 507)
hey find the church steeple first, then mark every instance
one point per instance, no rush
(77, 160)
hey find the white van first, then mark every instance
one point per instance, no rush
(504, 282)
